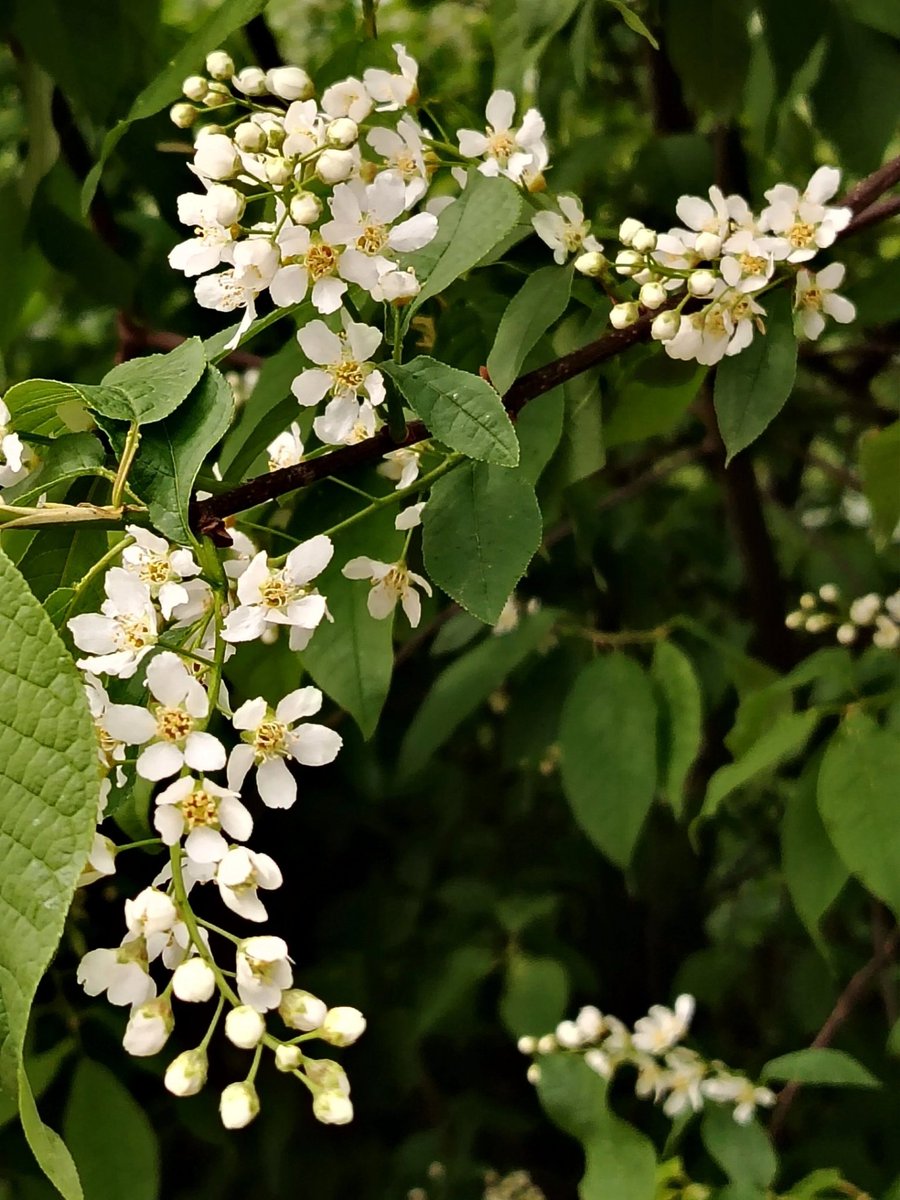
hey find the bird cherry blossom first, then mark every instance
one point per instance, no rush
(816, 294)
(239, 875)
(505, 149)
(281, 596)
(802, 223)
(286, 450)
(393, 91)
(263, 971)
(342, 369)
(123, 632)
(390, 582)
(213, 217)
(161, 567)
(565, 232)
(201, 809)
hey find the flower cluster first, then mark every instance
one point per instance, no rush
(667, 1072)
(872, 613)
(704, 278)
(166, 626)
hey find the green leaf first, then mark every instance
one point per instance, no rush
(539, 428)
(879, 459)
(47, 407)
(468, 229)
(652, 399)
(61, 555)
(819, 1065)
(535, 995)
(461, 409)
(465, 685)
(144, 390)
(878, 14)
(680, 728)
(712, 68)
(633, 21)
(224, 19)
(744, 1152)
(173, 450)
(784, 740)
(67, 458)
(111, 1137)
(581, 449)
(352, 660)
(608, 749)
(752, 387)
(857, 797)
(48, 810)
(41, 1070)
(482, 526)
(539, 303)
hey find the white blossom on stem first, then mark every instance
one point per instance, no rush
(506, 149)
(281, 596)
(816, 294)
(393, 91)
(263, 971)
(802, 223)
(342, 369)
(200, 809)
(565, 232)
(161, 567)
(124, 630)
(239, 876)
(390, 582)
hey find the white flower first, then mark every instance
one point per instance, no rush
(391, 92)
(508, 619)
(269, 737)
(568, 1035)
(244, 1027)
(716, 217)
(404, 153)
(803, 224)
(738, 1090)
(887, 633)
(342, 133)
(255, 263)
(124, 630)
(194, 980)
(409, 517)
(186, 1074)
(816, 293)
(216, 156)
(263, 971)
(238, 1105)
(304, 129)
(402, 465)
(506, 150)
(566, 231)
(14, 455)
(286, 450)
(683, 1081)
(160, 566)
(281, 596)
(238, 876)
(390, 582)
(748, 263)
(201, 809)
(289, 83)
(663, 1027)
(301, 1010)
(148, 1028)
(343, 1026)
(345, 422)
(333, 1108)
(362, 221)
(307, 259)
(150, 914)
(349, 98)
(724, 327)
(343, 363)
(101, 860)
(251, 81)
(652, 1078)
(335, 165)
(213, 217)
(121, 973)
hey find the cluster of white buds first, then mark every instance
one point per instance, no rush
(666, 1071)
(826, 609)
(704, 279)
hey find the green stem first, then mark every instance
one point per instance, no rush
(100, 565)
(188, 916)
(396, 497)
(626, 637)
(221, 932)
(207, 1037)
(132, 441)
(254, 1066)
(138, 845)
(395, 418)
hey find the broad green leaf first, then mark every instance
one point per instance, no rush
(652, 399)
(47, 407)
(61, 555)
(48, 809)
(41, 1069)
(173, 450)
(147, 389)
(461, 409)
(485, 213)
(538, 304)
(222, 21)
(67, 458)
(744, 1152)
(680, 727)
(883, 15)
(581, 450)
(858, 801)
(457, 978)
(784, 740)
(111, 1137)
(633, 21)
(352, 660)
(879, 466)
(482, 526)
(711, 80)
(539, 428)
(608, 751)
(819, 1065)
(465, 685)
(752, 387)
(535, 995)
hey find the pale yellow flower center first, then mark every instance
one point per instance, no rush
(276, 592)
(752, 264)
(200, 809)
(155, 569)
(268, 740)
(373, 238)
(397, 579)
(811, 298)
(136, 632)
(501, 144)
(173, 724)
(348, 375)
(801, 234)
(321, 260)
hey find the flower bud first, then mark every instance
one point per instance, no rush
(301, 1010)
(278, 170)
(215, 157)
(186, 1074)
(328, 1075)
(864, 608)
(533, 1074)
(228, 204)
(623, 315)
(343, 1026)
(399, 287)
(333, 166)
(216, 99)
(568, 1035)
(305, 208)
(652, 295)
(817, 623)
(250, 137)
(289, 83)
(195, 87)
(807, 602)
(342, 132)
(665, 326)
(527, 1045)
(887, 634)
(183, 115)
(333, 1108)
(194, 980)
(846, 634)
(628, 229)
(239, 1105)
(795, 619)
(644, 241)
(148, 1028)
(251, 81)
(288, 1058)
(219, 64)
(701, 283)
(628, 261)
(546, 1044)
(244, 1027)
(591, 263)
(708, 245)
(275, 135)
(829, 593)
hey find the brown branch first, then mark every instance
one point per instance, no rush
(868, 190)
(874, 215)
(846, 1003)
(135, 340)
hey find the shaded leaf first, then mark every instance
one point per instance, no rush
(819, 1065)
(539, 303)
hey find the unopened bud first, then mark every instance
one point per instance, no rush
(629, 227)
(278, 170)
(665, 326)
(708, 245)
(653, 295)
(333, 1108)
(194, 980)
(186, 1074)
(251, 81)
(817, 623)
(343, 1026)
(546, 1044)
(301, 1010)
(195, 87)
(334, 166)
(216, 99)
(644, 241)
(220, 65)
(701, 283)
(183, 115)
(244, 1027)
(527, 1045)
(533, 1074)
(289, 83)
(250, 137)
(342, 132)
(305, 208)
(795, 619)
(591, 263)
(623, 315)
(288, 1058)
(628, 261)
(239, 1105)
(846, 634)
(829, 593)
(807, 601)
